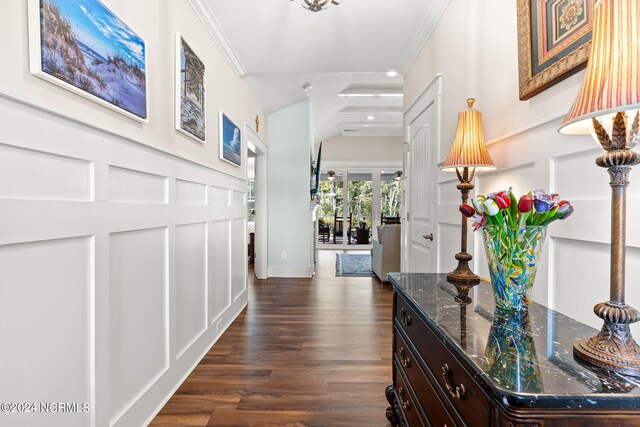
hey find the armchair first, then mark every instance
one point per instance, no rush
(385, 252)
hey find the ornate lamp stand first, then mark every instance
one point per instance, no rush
(614, 348)
(462, 275)
(611, 88)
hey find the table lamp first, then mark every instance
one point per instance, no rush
(468, 156)
(607, 106)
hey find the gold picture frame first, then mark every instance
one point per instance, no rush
(554, 39)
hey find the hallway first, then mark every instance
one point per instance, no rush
(305, 352)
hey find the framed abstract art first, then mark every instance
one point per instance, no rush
(554, 38)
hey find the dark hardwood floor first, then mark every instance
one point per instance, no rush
(305, 352)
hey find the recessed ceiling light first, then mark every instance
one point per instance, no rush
(392, 73)
(370, 117)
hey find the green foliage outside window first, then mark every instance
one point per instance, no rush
(360, 200)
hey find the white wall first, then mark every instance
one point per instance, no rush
(289, 165)
(361, 148)
(123, 248)
(475, 47)
(156, 22)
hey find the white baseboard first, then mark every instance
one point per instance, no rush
(290, 271)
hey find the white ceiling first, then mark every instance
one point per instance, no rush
(279, 47)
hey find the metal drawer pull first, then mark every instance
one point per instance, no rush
(403, 403)
(404, 361)
(456, 392)
(406, 320)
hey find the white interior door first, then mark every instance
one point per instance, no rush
(422, 129)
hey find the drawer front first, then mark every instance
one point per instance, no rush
(426, 396)
(405, 400)
(455, 385)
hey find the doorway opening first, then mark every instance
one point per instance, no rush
(251, 205)
(354, 201)
(256, 175)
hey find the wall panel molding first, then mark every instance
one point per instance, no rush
(134, 226)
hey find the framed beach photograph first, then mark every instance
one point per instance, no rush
(554, 39)
(230, 141)
(190, 92)
(84, 47)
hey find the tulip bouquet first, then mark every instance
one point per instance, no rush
(514, 231)
(536, 208)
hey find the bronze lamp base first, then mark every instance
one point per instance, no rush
(462, 275)
(614, 348)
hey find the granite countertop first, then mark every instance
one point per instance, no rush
(524, 361)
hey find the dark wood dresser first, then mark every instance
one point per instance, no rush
(464, 364)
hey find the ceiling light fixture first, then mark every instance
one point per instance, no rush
(331, 175)
(392, 73)
(307, 87)
(370, 117)
(398, 176)
(318, 5)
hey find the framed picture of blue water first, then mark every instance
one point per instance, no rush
(230, 141)
(87, 49)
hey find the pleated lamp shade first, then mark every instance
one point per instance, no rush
(612, 81)
(469, 148)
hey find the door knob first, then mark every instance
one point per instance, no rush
(428, 236)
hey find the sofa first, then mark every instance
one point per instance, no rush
(385, 252)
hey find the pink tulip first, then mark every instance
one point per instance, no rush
(502, 200)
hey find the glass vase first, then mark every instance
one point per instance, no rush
(510, 355)
(513, 254)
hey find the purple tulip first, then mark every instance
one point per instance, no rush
(567, 212)
(543, 201)
(541, 206)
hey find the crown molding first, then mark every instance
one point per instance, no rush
(422, 34)
(203, 11)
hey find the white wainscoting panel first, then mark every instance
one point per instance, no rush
(117, 268)
(191, 284)
(448, 193)
(45, 322)
(239, 198)
(593, 259)
(219, 269)
(138, 346)
(30, 174)
(134, 186)
(238, 257)
(521, 178)
(190, 193)
(219, 196)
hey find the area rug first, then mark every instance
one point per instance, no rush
(353, 265)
